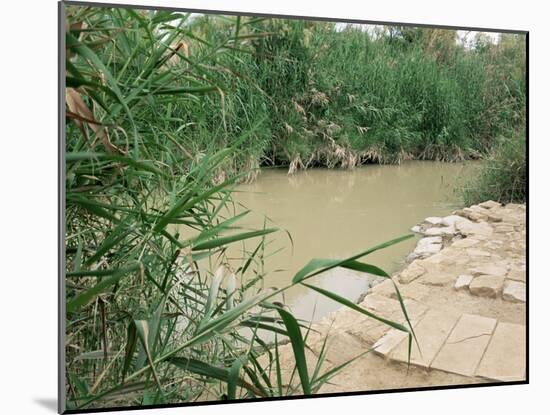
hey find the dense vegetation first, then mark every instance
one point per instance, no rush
(155, 313)
(502, 176)
(344, 97)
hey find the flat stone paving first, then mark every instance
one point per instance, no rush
(431, 333)
(466, 345)
(504, 358)
(467, 308)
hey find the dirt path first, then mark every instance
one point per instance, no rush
(464, 291)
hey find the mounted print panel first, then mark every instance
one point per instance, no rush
(263, 207)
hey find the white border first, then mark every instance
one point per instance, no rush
(29, 204)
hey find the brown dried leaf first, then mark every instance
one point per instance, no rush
(79, 112)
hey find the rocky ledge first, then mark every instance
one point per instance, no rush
(464, 290)
(486, 242)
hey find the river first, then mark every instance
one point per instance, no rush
(337, 213)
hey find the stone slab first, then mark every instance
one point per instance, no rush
(514, 291)
(391, 339)
(370, 330)
(385, 288)
(413, 291)
(517, 275)
(489, 269)
(469, 228)
(474, 215)
(412, 272)
(487, 286)
(504, 228)
(438, 278)
(433, 220)
(453, 220)
(477, 253)
(435, 259)
(505, 358)
(440, 231)
(490, 204)
(466, 345)
(465, 243)
(426, 246)
(381, 305)
(431, 333)
(494, 218)
(463, 282)
(340, 347)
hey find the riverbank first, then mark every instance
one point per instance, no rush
(465, 292)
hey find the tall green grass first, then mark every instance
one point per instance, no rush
(341, 98)
(329, 98)
(156, 139)
(502, 175)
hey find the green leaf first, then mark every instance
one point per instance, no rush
(298, 346)
(115, 237)
(233, 379)
(88, 295)
(154, 332)
(362, 267)
(214, 230)
(142, 329)
(224, 240)
(230, 284)
(180, 90)
(278, 368)
(87, 155)
(317, 266)
(131, 344)
(205, 369)
(353, 306)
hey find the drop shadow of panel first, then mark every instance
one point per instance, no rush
(48, 403)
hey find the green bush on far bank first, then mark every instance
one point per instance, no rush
(340, 98)
(502, 176)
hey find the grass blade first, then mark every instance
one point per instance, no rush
(233, 379)
(353, 306)
(317, 266)
(88, 295)
(225, 240)
(298, 346)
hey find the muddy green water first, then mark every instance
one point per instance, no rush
(337, 213)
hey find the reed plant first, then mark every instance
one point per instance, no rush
(155, 311)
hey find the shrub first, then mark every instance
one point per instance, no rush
(502, 175)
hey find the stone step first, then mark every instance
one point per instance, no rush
(466, 345)
(370, 330)
(390, 340)
(491, 286)
(505, 358)
(431, 333)
(469, 345)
